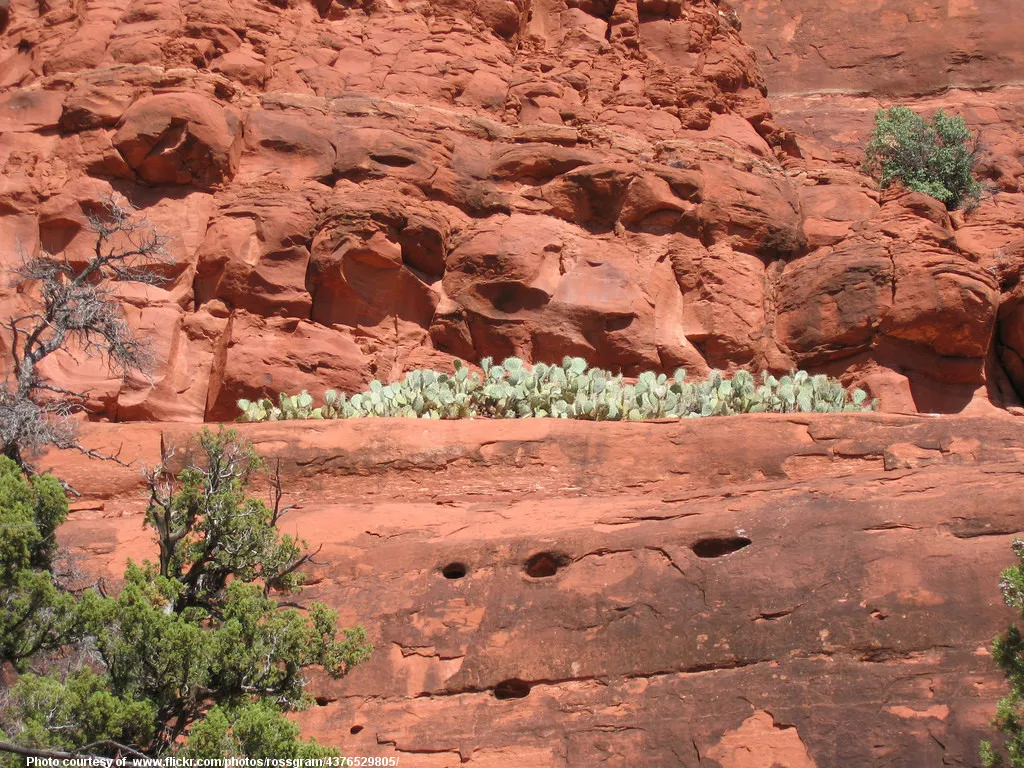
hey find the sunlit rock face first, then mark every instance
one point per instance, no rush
(797, 590)
(355, 190)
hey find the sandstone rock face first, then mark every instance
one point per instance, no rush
(829, 66)
(790, 591)
(354, 191)
(178, 139)
(357, 189)
(894, 48)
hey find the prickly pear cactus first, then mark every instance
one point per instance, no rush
(513, 390)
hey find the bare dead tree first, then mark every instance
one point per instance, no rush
(78, 309)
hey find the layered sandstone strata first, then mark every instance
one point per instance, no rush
(741, 591)
(358, 189)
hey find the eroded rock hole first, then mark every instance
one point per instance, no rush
(512, 689)
(511, 297)
(393, 160)
(454, 570)
(720, 546)
(355, 729)
(618, 322)
(545, 564)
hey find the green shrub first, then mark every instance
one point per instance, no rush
(33, 612)
(1008, 652)
(30, 511)
(935, 158)
(193, 657)
(567, 391)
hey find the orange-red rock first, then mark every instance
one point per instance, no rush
(356, 189)
(739, 590)
(355, 174)
(406, 181)
(893, 48)
(179, 139)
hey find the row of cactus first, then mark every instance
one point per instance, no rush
(568, 391)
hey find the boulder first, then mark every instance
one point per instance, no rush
(180, 138)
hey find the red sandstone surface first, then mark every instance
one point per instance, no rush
(830, 65)
(356, 188)
(740, 592)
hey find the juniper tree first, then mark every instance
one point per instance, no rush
(1008, 652)
(35, 616)
(194, 656)
(75, 308)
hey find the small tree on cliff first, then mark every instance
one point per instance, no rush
(193, 658)
(76, 308)
(1008, 652)
(936, 158)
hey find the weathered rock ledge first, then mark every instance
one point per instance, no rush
(750, 591)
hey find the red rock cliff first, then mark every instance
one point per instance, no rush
(830, 65)
(355, 189)
(800, 591)
(358, 188)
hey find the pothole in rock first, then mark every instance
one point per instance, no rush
(544, 565)
(720, 546)
(454, 570)
(512, 689)
(393, 160)
(355, 729)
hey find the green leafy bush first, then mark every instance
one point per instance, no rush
(569, 391)
(936, 158)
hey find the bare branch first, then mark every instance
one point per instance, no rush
(17, 749)
(274, 582)
(115, 745)
(277, 494)
(80, 311)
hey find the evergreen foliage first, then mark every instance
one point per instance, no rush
(34, 614)
(193, 656)
(569, 391)
(252, 730)
(936, 158)
(1008, 652)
